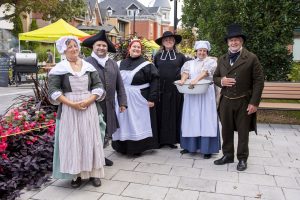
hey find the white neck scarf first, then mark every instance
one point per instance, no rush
(101, 61)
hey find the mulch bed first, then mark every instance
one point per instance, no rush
(278, 117)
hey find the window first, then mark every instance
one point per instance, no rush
(109, 11)
(121, 27)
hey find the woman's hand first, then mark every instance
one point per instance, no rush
(85, 103)
(78, 106)
(194, 82)
(150, 104)
(181, 82)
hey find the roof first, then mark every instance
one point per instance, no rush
(120, 8)
(153, 10)
(107, 28)
(162, 3)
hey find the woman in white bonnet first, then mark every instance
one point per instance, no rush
(75, 86)
(199, 126)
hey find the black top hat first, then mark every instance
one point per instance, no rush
(234, 30)
(178, 38)
(101, 36)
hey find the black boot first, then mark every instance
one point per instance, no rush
(108, 162)
(96, 182)
(207, 156)
(76, 183)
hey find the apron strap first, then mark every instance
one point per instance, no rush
(138, 68)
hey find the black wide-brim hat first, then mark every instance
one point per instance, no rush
(101, 36)
(235, 30)
(178, 38)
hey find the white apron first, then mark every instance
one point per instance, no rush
(135, 122)
(199, 113)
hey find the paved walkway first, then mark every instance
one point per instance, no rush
(273, 173)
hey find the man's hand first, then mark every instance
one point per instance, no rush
(227, 82)
(251, 109)
(122, 109)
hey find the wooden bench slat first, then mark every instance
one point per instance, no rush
(281, 89)
(280, 96)
(281, 92)
(279, 106)
(276, 84)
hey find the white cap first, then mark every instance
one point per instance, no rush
(202, 44)
(61, 43)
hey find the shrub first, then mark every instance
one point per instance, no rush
(26, 146)
(295, 72)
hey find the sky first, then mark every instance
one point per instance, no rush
(179, 5)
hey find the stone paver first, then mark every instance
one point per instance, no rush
(257, 179)
(291, 194)
(179, 194)
(272, 193)
(239, 189)
(110, 187)
(53, 193)
(215, 196)
(133, 177)
(164, 181)
(273, 174)
(197, 184)
(286, 182)
(145, 191)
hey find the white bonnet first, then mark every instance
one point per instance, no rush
(202, 44)
(61, 43)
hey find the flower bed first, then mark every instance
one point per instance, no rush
(26, 147)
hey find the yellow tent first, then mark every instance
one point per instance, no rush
(52, 32)
(150, 44)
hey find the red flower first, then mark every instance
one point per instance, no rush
(4, 156)
(3, 146)
(29, 142)
(54, 114)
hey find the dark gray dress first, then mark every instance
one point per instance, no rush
(112, 82)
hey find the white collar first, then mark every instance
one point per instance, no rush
(237, 51)
(101, 61)
(64, 67)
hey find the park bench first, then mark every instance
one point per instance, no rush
(282, 91)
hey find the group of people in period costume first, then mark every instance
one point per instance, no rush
(135, 103)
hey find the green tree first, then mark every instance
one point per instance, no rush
(33, 26)
(50, 9)
(268, 25)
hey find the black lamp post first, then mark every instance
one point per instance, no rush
(175, 15)
(134, 11)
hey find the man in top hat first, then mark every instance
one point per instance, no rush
(111, 78)
(169, 62)
(241, 78)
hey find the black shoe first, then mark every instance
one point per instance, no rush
(137, 154)
(184, 151)
(96, 182)
(223, 160)
(108, 162)
(242, 165)
(172, 146)
(207, 156)
(76, 183)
